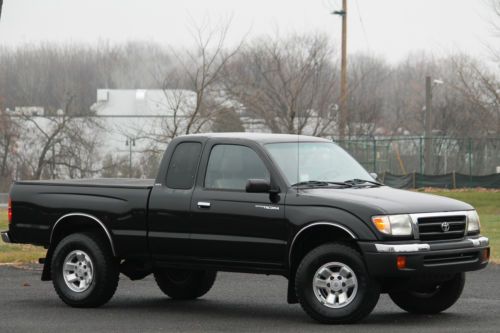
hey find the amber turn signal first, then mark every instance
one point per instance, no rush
(485, 254)
(401, 262)
(382, 223)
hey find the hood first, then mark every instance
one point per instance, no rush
(368, 201)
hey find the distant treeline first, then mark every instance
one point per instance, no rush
(290, 83)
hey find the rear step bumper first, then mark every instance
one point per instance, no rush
(5, 237)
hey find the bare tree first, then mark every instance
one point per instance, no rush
(78, 154)
(405, 95)
(115, 166)
(177, 113)
(8, 137)
(192, 86)
(58, 145)
(289, 83)
(368, 77)
(481, 88)
(227, 121)
(42, 134)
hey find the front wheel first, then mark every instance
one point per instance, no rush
(432, 298)
(185, 284)
(333, 285)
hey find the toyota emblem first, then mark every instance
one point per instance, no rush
(445, 226)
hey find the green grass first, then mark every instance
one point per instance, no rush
(17, 253)
(487, 204)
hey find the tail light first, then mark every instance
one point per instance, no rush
(9, 211)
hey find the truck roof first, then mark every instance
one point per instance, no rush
(262, 138)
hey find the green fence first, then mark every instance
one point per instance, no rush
(433, 156)
(449, 181)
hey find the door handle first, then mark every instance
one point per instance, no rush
(203, 204)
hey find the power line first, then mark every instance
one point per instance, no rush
(98, 116)
(363, 26)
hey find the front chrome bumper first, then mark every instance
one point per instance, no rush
(5, 237)
(426, 258)
(423, 247)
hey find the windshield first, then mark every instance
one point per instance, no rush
(319, 161)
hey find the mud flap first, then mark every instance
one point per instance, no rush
(46, 276)
(291, 296)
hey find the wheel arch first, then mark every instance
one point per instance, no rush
(334, 228)
(82, 218)
(79, 222)
(309, 237)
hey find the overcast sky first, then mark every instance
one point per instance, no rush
(390, 28)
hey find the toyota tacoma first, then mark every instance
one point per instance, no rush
(295, 206)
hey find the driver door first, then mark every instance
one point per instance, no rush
(230, 225)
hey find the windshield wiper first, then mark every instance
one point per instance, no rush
(357, 181)
(321, 183)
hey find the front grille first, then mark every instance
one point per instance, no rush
(431, 228)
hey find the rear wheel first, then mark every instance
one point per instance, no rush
(84, 271)
(431, 298)
(185, 284)
(333, 285)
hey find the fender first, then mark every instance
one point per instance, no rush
(89, 217)
(331, 224)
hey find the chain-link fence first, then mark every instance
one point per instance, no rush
(445, 155)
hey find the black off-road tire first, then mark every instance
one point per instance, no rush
(361, 305)
(431, 300)
(184, 284)
(105, 270)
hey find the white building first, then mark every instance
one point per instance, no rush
(140, 117)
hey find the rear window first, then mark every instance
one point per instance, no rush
(183, 164)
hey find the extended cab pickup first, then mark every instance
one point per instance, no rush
(295, 206)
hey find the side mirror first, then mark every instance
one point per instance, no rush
(374, 175)
(258, 186)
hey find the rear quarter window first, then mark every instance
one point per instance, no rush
(183, 164)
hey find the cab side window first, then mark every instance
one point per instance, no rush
(230, 166)
(183, 165)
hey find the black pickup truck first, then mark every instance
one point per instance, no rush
(295, 206)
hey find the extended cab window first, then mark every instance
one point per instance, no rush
(182, 168)
(230, 166)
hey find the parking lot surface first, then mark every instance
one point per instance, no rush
(237, 303)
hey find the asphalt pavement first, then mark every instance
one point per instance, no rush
(237, 303)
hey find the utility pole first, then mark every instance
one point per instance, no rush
(53, 162)
(130, 142)
(343, 119)
(428, 124)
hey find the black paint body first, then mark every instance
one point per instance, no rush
(240, 231)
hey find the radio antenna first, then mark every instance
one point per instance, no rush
(298, 152)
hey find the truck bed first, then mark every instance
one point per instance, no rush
(119, 204)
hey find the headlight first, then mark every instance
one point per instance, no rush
(473, 224)
(396, 225)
